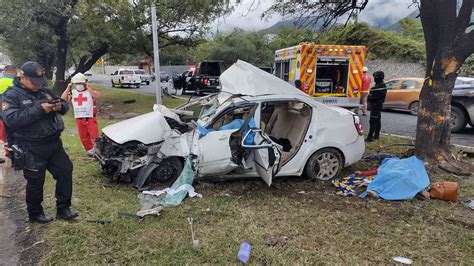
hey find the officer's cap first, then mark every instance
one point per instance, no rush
(379, 75)
(34, 72)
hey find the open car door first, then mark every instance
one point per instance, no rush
(266, 155)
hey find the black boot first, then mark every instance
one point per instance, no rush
(66, 214)
(370, 136)
(378, 127)
(41, 219)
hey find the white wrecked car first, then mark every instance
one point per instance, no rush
(257, 126)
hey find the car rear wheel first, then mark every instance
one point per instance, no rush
(168, 171)
(147, 82)
(325, 164)
(413, 108)
(458, 119)
(138, 86)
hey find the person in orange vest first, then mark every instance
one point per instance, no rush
(364, 92)
(83, 100)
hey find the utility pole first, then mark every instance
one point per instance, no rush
(156, 55)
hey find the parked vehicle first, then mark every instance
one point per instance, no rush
(404, 94)
(258, 126)
(330, 73)
(179, 80)
(464, 81)
(125, 77)
(462, 107)
(145, 78)
(206, 76)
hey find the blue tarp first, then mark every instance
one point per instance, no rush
(235, 124)
(399, 179)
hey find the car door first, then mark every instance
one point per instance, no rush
(265, 154)
(215, 151)
(114, 77)
(218, 156)
(410, 93)
(392, 93)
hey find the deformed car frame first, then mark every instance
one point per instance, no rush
(257, 126)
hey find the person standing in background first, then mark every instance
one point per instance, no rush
(376, 99)
(85, 110)
(365, 90)
(9, 73)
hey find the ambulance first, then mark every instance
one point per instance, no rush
(330, 73)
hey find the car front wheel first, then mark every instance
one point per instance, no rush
(325, 164)
(113, 84)
(168, 171)
(458, 120)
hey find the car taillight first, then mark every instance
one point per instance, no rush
(205, 81)
(357, 125)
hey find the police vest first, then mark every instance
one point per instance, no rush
(82, 103)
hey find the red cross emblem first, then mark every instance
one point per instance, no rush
(80, 99)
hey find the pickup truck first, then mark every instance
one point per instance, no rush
(125, 77)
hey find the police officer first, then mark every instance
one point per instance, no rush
(34, 114)
(376, 99)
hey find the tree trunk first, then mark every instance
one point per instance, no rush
(448, 44)
(61, 53)
(433, 131)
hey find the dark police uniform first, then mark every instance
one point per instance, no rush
(37, 134)
(376, 99)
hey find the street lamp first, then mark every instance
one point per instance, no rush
(156, 55)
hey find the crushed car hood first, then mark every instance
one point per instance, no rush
(148, 128)
(243, 78)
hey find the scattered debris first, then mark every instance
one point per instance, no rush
(195, 243)
(98, 221)
(469, 203)
(152, 211)
(122, 116)
(128, 215)
(244, 252)
(271, 241)
(403, 260)
(447, 191)
(174, 195)
(130, 101)
(351, 185)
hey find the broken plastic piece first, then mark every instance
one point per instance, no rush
(154, 211)
(174, 195)
(403, 260)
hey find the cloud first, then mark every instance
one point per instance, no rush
(247, 15)
(381, 12)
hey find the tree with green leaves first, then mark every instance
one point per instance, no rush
(85, 30)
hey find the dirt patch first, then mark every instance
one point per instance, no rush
(27, 247)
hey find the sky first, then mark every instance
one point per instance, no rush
(247, 15)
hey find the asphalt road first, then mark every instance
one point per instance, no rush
(404, 124)
(393, 122)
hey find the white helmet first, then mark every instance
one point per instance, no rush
(79, 78)
(365, 69)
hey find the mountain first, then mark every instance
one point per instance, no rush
(396, 26)
(304, 22)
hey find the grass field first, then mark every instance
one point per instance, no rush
(309, 227)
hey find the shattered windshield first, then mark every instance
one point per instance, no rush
(200, 109)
